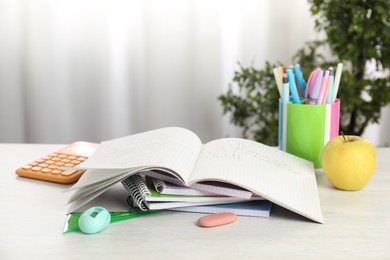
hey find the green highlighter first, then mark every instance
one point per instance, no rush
(72, 221)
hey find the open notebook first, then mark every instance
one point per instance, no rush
(275, 175)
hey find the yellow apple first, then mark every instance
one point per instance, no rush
(349, 162)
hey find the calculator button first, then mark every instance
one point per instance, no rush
(55, 172)
(36, 168)
(43, 164)
(46, 170)
(33, 163)
(69, 165)
(59, 163)
(66, 173)
(72, 157)
(56, 159)
(65, 160)
(49, 162)
(75, 161)
(26, 167)
(81, 158)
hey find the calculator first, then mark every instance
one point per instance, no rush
(49, 167)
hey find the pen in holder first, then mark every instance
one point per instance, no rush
(304, 129)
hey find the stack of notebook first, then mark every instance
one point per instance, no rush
(150, 193)
(181, 164)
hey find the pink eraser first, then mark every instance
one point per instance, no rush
(217, 219)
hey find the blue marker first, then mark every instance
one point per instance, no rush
(301, 81)
(293, 87)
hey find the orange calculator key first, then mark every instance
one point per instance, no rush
(47, 168)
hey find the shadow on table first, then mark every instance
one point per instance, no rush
(279, 212)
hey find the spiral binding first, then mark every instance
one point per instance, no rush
(138, 191)
(158, 184)
(133, 205)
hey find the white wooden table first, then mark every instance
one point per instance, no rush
(357, 224)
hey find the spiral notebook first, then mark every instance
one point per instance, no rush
(166, 184)
(143, 195)
(164, 187)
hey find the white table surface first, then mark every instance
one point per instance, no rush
(357, 224)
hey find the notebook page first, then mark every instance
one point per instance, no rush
(84, 200)
(90, 189)
(113, 199)
(172, 148)
(83, 195)
(95, 177)
(260, 208)
(277, 176)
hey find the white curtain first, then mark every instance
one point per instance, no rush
(99, 69)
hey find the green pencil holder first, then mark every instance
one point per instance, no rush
(305, 129)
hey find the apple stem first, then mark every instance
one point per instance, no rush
(342, 133)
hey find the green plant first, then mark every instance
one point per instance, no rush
(358, 34)
(252, 101)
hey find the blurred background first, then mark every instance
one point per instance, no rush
(96, 70)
